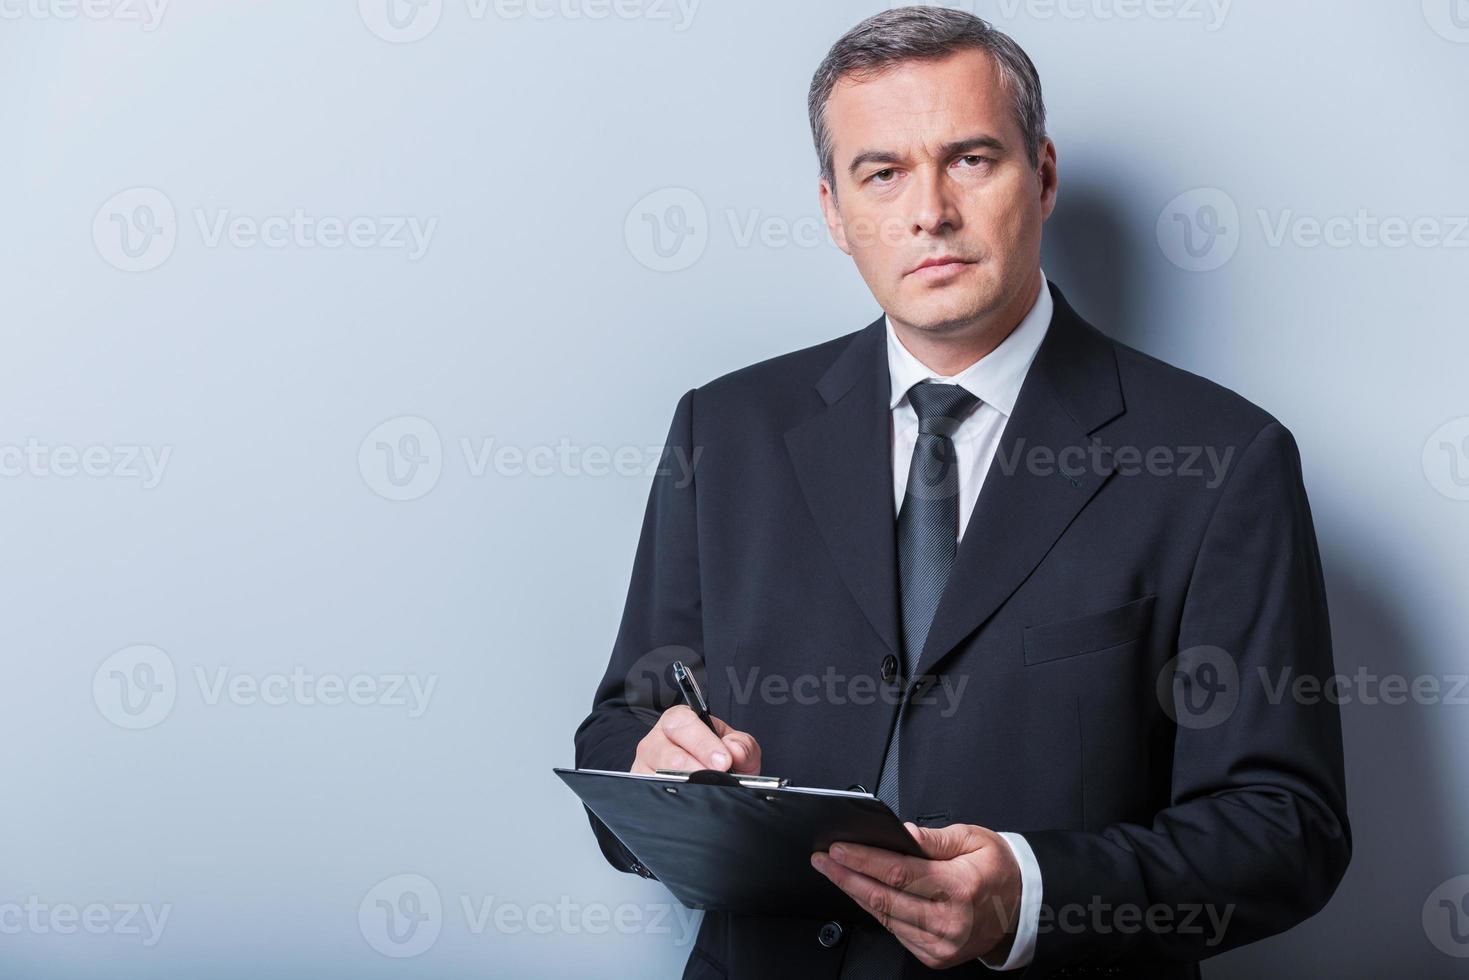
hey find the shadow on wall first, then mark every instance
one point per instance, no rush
(1091, 254)
(1402, 817)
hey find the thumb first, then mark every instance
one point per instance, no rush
(944, 843)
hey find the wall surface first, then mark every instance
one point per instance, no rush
(340, 339)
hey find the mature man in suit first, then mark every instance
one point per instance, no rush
(1041, 590)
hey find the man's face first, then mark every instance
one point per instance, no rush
(929, 163)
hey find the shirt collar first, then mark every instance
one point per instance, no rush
(995, 378)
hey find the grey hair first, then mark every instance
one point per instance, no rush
(921, 34)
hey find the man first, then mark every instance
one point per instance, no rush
(1039, 589)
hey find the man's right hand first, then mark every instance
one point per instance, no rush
(681, 741)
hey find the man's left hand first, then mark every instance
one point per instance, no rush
(955, 904)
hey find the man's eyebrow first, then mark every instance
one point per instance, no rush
(981, 142)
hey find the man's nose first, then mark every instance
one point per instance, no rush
(935, 207)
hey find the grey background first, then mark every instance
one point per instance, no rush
(537, 317)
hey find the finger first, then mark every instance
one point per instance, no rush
(745, 752)
(681, 760)
(684, 729)
(933, 931)
(660, 753)
(673, 757)
(932, 951)
(885, 904)
(918, 876)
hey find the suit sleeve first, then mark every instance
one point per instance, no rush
(1255, 838)
(661, 622)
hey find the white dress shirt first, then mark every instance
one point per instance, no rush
(995, 380)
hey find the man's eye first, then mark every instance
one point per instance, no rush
(883, 176)
(974, 159)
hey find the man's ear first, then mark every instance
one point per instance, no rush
(833, 215)
(1049, 179)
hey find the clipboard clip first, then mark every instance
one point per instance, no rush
(713, 777)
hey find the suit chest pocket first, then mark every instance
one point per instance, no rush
(1091, 633)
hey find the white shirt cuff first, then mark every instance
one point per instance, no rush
(1027, 918)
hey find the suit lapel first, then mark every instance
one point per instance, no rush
(843, 462)
(1026, 501)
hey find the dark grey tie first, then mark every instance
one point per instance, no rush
(928, 532)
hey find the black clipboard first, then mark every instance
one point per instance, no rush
(743, 844)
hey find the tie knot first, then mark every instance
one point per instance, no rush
(940, 407)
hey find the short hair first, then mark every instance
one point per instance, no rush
(921, 34)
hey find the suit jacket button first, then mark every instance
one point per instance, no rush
(889, 668)
(829, 934)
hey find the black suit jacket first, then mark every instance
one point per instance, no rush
(1141, 783)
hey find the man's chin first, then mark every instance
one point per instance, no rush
(938, 315)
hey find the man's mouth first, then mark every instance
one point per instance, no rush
(939, 267)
